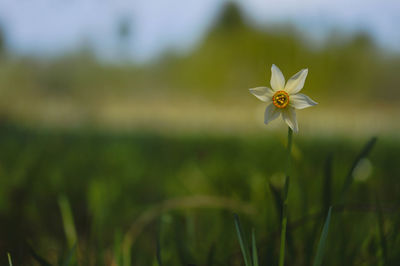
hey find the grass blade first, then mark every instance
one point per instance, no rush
(326, 199)
(242, 241)
(279, 209)
(211, 255)
(285, 199)
(284, 223)
(277, 199)
(349, 178)
(37, 257)
(183, 247)
(382, 239)
(322, 241)
(158, 252)
(68, 221)
(327, 185)
(9, 259)
(70, 255)
(254, 248)
(117, 250)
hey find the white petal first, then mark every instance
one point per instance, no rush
(263, 93)
(301, 101)
(277, 79)
(289, 116)
(271, 113)
(296, 83)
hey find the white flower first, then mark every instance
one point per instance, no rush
(284, 99)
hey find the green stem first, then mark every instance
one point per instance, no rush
(285, 200)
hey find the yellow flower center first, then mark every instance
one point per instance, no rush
(280, 99)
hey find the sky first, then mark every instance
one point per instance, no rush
(53, 27)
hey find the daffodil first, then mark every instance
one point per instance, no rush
(284, 98)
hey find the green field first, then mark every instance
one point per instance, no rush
(131, 191)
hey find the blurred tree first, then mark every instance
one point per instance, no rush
(363, 41)
(124, 28)
(230, 18)
(2, 48)
(124, 32)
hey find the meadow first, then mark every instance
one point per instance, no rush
(177, 195)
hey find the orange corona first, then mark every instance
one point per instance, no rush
(280, 99)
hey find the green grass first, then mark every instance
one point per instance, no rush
(176, 196)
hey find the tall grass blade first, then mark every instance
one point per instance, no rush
(38, 258)
(382, 238)
(117, 249)
(278, 200)
(9, 259)
(126, 256)
(242, 241)
(285, 199)
(183, 247)
(158, 252)
(68, 221)
(284, 223)
(349, 178)
(70, 255)
(254, 248)
(326, 199)
(327, 186)
(279, 209)
(322, 241)
(211, 255)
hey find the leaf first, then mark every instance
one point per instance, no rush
(9, 259)
(254, 248)
(242, 241)
(322, 241)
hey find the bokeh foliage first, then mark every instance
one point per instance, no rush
(111, 180)
(233, 55)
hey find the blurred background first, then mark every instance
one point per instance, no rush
(127, 126)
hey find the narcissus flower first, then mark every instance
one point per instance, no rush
(284, 98)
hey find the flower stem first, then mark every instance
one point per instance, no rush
(285, 200)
